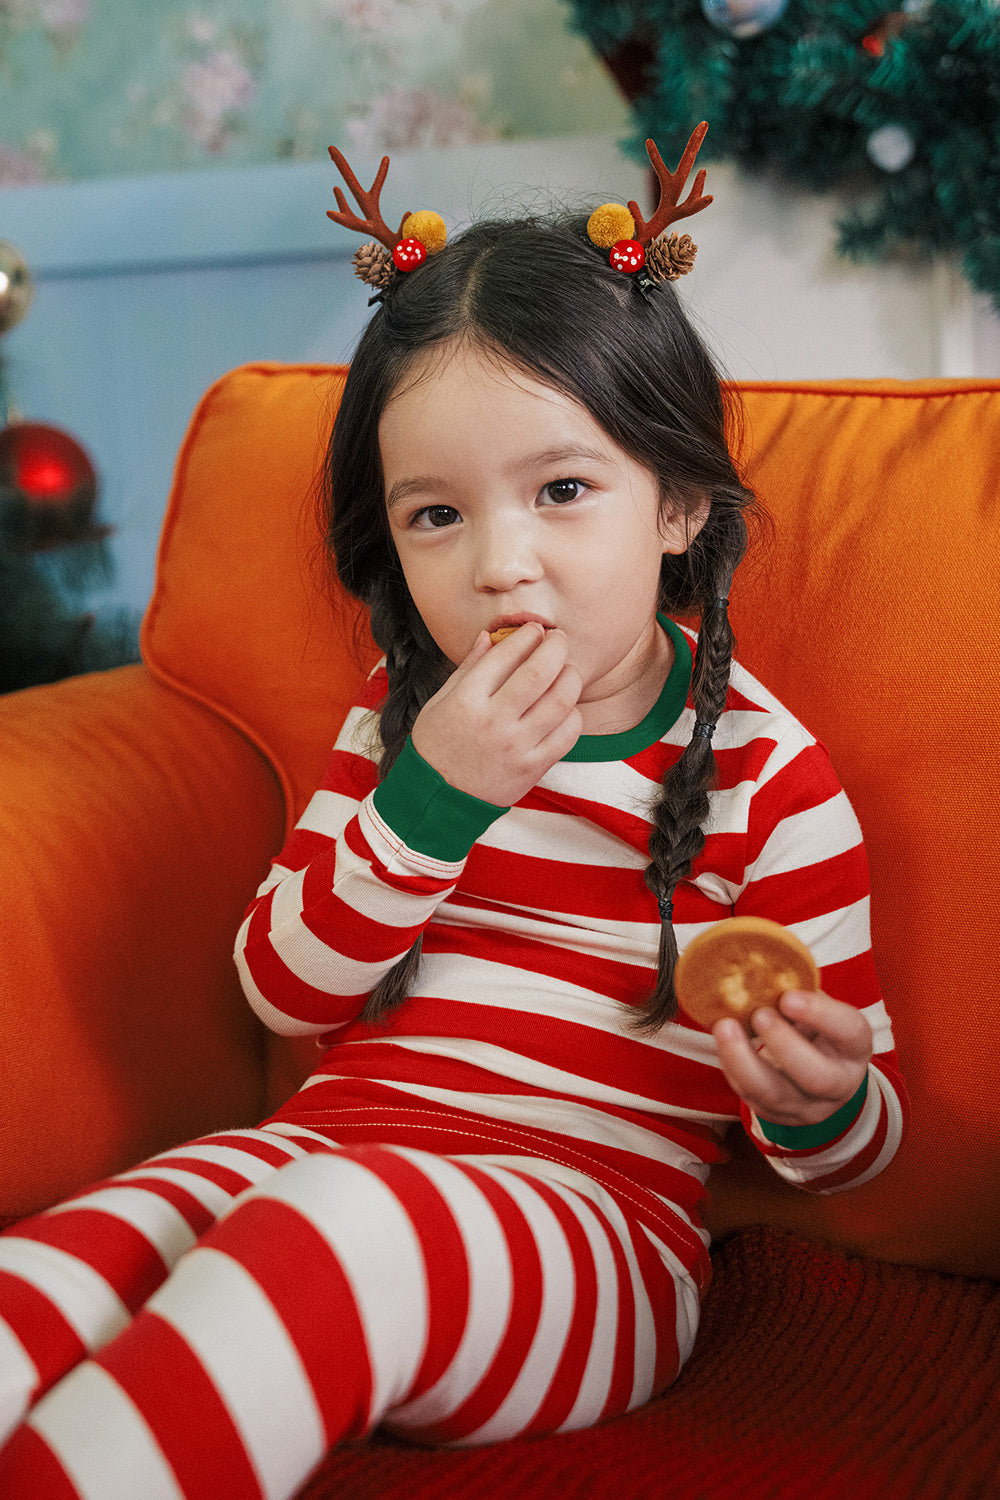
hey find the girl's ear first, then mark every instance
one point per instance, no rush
(682, 520)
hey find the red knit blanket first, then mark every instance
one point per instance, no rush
(816, 1376)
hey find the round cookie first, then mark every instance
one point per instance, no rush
(505, 630)
(739, 965)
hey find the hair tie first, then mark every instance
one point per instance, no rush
(703, 729)
(721, 603)
(666, 906)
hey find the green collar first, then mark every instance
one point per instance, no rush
(662, 716)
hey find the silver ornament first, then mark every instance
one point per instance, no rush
(891, 147)
(743, 18)
(16, 286)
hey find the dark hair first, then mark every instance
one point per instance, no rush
(541, 297)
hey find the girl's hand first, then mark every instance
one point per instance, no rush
(809, 1058)
(504, 716)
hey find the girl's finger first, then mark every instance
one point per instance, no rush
(748, 1074)
(480, 648)
(785, 1075)
(815, 1072)
(538, 661)
(555, 703)
(492, 666)
(839, 1026)
(562, 738)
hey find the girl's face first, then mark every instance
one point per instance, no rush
(507, 502)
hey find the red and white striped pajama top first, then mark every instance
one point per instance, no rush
(539, 936)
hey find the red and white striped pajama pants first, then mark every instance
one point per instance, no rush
(208, 1325)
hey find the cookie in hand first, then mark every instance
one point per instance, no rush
(739, 965)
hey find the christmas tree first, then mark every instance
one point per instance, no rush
(899, 110)
(52, 550)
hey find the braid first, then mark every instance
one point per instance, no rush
(415, 670)
(414, 666)
(679, 816)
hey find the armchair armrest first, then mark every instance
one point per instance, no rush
(134, 827)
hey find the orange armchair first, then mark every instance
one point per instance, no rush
(139, 807)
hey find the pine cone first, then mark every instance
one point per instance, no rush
(374, 265)
(667, 259)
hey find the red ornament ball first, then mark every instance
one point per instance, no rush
(408, 254)
(50, 485)
(628, 256)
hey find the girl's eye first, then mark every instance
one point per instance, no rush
(562, 490)
(435, 516)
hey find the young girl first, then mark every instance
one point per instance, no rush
(479, 1216)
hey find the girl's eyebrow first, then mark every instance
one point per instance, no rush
(423, 484)
(570, 453)
(417, 484)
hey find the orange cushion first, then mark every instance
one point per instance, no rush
(872, 614)
(874, 617)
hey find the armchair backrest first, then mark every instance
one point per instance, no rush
(240, 617)
(872, 613)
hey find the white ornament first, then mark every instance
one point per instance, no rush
(891, 147)
(743, 18)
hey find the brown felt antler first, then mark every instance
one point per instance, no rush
(668, 210)
(373, 222)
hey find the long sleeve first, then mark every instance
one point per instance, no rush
(807, 868)
(362, 874)
(849, 1148)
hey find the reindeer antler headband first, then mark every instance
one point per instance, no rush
(631, 241)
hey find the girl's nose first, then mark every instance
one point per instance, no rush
(505, 556)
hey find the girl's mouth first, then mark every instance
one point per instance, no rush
(507, 623)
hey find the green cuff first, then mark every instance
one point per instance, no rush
(427, 813)
(807, 1137)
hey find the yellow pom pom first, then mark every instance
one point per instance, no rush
(609, 224)
(427, 227)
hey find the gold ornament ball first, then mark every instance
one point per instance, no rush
(16, 286)
(609, 224)
(427, 227)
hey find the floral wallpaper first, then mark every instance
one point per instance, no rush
(97, 87)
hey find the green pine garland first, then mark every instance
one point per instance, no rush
(804, 97)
